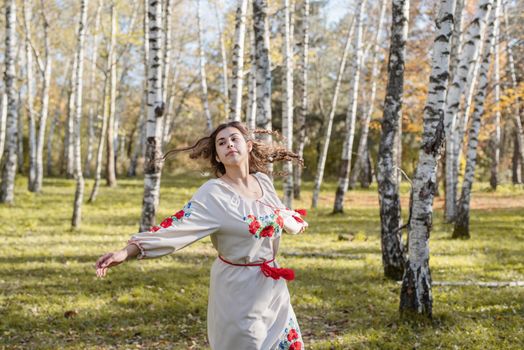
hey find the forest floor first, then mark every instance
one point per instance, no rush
(50, 297)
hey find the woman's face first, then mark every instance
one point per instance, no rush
(232, 148)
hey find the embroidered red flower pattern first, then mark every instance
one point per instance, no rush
(267, 231)
(154, 228)
(166, 223)
(292, 335)
(179, 214)
(254, 226)
(280, 221)
(296, 346)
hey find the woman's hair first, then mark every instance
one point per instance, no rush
(260, 155)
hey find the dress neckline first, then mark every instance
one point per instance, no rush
(242, 196)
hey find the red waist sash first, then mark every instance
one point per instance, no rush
(268, 271)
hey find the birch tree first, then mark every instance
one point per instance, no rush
(287, 115)
(79, 190)
(69, 132)
(416, 296)
(110, 154)
(461, 229)
(327, 131)
(3, 121)
(462, 77)
(203, 79)
(519, 133)
(28, 14)
(252, 89)
(223, 55)
(387, 167)
(495, 161)
(263, 69)
(351, 116)
(45, 71)
(237, 60)
(155, 113)
(362, 151)
(7, 194)
(93, 101)
(302, 81)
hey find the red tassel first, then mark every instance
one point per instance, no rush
(276, 272)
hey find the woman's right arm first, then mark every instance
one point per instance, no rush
(115, 258)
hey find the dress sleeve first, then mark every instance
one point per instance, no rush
(196, 220)
(293, 222)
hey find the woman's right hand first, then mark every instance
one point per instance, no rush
(109, 260)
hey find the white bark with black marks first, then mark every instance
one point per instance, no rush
(252, 88)
(415, 295)
(263, 68)
(30, 93)
(351, 116)
(302, 82)
(203, 78)
(110, 154)
(79, 177)
(7, 194)
(45, 70)
(155, 114)
(93, 101)
(387, 166)
(462, 78)
(3, 121)
(327, 131)
(237, 61)
(461, 229)
(223, 55)
(495, 160)
(287, 115)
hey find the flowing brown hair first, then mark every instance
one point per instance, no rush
(260, 155)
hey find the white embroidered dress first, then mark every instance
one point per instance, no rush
(246, 309)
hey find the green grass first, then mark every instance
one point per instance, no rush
(51, 299)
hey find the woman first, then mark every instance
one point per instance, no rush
(249, 304)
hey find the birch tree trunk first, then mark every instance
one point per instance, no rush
(252, 89)
(45, 70)
(79, 191)
(327, 131)
(351, 117)
(362, 152)
(103, 133)
(69, 132)
(388, 184)
(167, 10)
(287, 115)
(93, 101)
(155, 113)
(462, 77)
(7, 194)
(223, 55)
(516, 174)
(461, 229)
(511, 65)
(495, 161)
(263, 70)
(110, 168)
(302, 81)
(28, 13)
(238, 61)
(415, 295)
(203, 79)
(3, 121)
(20, 150)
